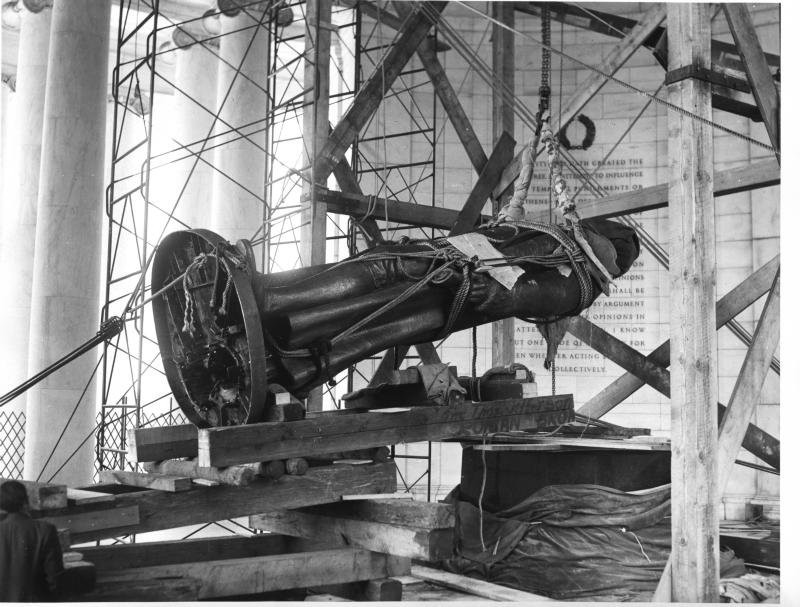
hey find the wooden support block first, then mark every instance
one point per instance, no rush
(157, 444)
(237, 476)
(272, 470)
(398, 540)
(150, 480)
(322, 598)
(104, 522)
(475, 587)
(255, 575)
(266, 441)
(412, 513)
(71, 556)
(81, 497)
(162, 510)
(77, 578)
(296, 466)
(43, 496)
(387, 589)
(153, 554)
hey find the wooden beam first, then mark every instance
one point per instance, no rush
(153, 554)
(756, 441)
(106, 522)
(347, 181)
(620, 352)
(159, 589)
(223, 578)
(744, 398)
(268, 441)
(755, 64)
(414, 31)
(159, 510)
(412, 513)
(728, 307)
(388, 538)
(81, 497)
(448, 96)
(316, 82)
(357, 205)
(43, 496)
(729, 181)
(723, 54)
(486, 590)
(159, 482)
(160, 443)
(586, 90)
(503, 72)
(692, 271)
(470, 214)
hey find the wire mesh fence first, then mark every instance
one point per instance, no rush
(12, 444)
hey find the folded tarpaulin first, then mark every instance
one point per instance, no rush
(579, 542)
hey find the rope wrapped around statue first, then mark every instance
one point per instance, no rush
(230, 337)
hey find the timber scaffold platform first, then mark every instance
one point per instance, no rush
(323, 487)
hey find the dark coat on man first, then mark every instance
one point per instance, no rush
(30, 559)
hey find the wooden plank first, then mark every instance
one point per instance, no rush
(159, 589)
(255, 575)
(267, 441)
(730, 181)
(583, 443)
(486, 590)
(43, 496)
(106, 522)
(148, 480)
(587, 89)
(166, 442)
(412, 513)
(728, 307)
(152, 554)
(397, 540)
(414, 31)
(692, 268)
(81, 497)
(755, 64)
(744, 397)
(160, 510)
(470, 214)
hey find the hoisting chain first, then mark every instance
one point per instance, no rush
(544, 88)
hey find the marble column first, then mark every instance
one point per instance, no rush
(196, 76)
(66, 268)
(19, 199)
(237, 209)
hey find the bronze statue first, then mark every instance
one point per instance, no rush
(229, 335)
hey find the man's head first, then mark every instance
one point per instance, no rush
(13, 497)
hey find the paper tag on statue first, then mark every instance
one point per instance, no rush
(477, 245)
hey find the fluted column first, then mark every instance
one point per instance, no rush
(19, 203)
(66, 267)
(237, 207)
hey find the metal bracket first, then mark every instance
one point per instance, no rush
(707, 75)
